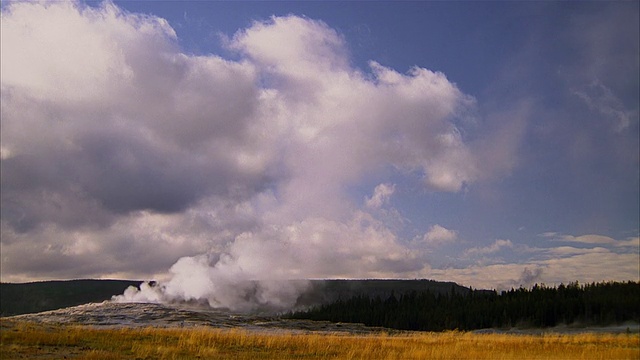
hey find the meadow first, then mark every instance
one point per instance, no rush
(21, 339)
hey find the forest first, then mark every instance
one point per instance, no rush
(605, 303)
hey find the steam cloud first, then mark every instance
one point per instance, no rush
(121, 154)
(197, 279)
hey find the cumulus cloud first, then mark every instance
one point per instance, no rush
(438, 235)
(143, 128)
(122, 155)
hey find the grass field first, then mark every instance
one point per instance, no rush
(36, 341)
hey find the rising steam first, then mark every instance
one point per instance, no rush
(197, 280)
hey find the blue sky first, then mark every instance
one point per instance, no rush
(494, 144)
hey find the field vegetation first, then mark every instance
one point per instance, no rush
(37, 341)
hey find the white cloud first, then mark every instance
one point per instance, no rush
(98, 53)
(491, 249)
(570, 250)
(600, 98)
(524, 265)
(629, 242)
(593, 239)
(590, 239)
(564, 267)
(293, 48)
(438, 235)
(381, 195)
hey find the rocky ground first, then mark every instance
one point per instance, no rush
(110, 314)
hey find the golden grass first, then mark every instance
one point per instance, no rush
(36, 341)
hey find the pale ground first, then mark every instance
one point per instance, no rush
(108, 314)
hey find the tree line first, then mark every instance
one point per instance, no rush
(603, 303)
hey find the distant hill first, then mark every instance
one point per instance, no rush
(16, 299)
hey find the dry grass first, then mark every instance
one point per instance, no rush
(27, 340)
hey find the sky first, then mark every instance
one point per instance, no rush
(494, 144)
